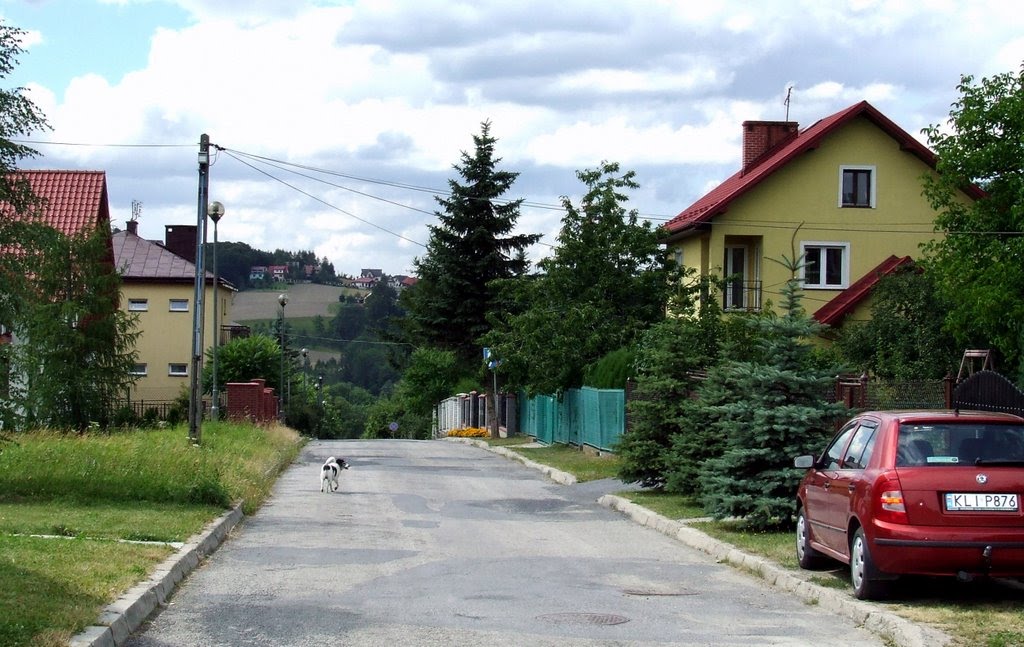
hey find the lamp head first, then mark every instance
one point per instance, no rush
(282, 299)
(215, 211)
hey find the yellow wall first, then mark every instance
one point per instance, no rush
(166, 337)
(807, 191)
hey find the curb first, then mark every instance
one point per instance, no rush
(557, 476)
(889, 626)
(122, 617)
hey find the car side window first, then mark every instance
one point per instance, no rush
(863, 443)
(831, 458)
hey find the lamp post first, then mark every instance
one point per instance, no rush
(283, 300)
(195, 402)
(216, 210)
(305, 361)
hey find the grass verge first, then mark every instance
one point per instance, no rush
(150, 485)
(583, 466)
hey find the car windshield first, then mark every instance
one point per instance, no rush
(955, 443)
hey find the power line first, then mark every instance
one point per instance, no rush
(322, 201)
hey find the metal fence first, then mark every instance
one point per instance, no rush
(586, 416)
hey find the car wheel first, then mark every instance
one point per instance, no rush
(863, 574)
(805, 555)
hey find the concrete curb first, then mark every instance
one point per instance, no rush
(126, 614)
(557, 476)
(889, 626)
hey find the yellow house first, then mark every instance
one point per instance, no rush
(158, 285)
(845, 195)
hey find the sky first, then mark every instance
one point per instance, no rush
(337, 123)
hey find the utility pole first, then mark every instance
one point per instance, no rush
(195, 401)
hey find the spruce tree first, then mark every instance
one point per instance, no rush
(775, 408)
(472, 245)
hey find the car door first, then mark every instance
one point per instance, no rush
(817, 494)
(840, 495)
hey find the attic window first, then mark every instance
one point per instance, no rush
(179, 305)
(177, 370)
(857, 186)
(138, 305)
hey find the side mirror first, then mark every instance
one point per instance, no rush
(804, 462)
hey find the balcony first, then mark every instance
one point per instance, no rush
(742, 296)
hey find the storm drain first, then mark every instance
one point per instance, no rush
(583, 619)
(658, 592)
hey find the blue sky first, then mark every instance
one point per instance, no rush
(382, 97)
(103, 38)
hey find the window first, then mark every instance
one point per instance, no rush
(861, 447)
(179, 305)
(177, 370)
(138, 305)
(139, 369)
(857, 186)
(826, 265)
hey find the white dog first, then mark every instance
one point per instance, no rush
(330, 472)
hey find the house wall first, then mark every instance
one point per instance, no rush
(799, 204)
(166, 336)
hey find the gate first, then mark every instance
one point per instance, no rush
(989, 391)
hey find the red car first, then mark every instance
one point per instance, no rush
(915, 492)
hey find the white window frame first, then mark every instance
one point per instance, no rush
(140, 368)
(172, 302)
(173, 373)
(825, 244)
(138, 305)
(872, 198)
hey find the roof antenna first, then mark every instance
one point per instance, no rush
(136, 210)
(789, 92)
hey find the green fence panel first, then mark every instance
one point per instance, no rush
(587, 416)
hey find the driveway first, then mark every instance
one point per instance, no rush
(435, 543)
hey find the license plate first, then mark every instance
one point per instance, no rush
(973, 501)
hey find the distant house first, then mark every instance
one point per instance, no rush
(158, 285)
(843, 194)
(363, 282)
(257, 272)
(371, 273)
(278, 272)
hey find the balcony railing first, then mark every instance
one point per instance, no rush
(742, 295)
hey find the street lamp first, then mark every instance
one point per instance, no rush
(215, 212)
(305, 362)
(283, 300)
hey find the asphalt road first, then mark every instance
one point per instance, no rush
(437, 543)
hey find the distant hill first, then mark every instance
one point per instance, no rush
(304, 300)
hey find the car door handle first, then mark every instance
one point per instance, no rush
(826, 484)
(851, 487)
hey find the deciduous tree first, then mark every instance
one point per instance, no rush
(978, 264)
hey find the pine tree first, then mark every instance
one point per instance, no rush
(774, 408)
(470, 247)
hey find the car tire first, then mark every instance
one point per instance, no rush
(863, 573)
(807, 557)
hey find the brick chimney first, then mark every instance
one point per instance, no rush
(133, 227)
(760, 137)
(181, 239)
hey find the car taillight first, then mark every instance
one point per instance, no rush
(892, 508)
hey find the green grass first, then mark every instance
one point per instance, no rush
(670, 506)
(138, 485)
(508, 442)
(583, 466)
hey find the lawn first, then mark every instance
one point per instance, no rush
(68, 538)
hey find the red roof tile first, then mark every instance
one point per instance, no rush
(73, 201)
(844, 302)
(717, 201)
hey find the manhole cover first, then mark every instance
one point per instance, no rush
(661, 592)
(583, 618)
